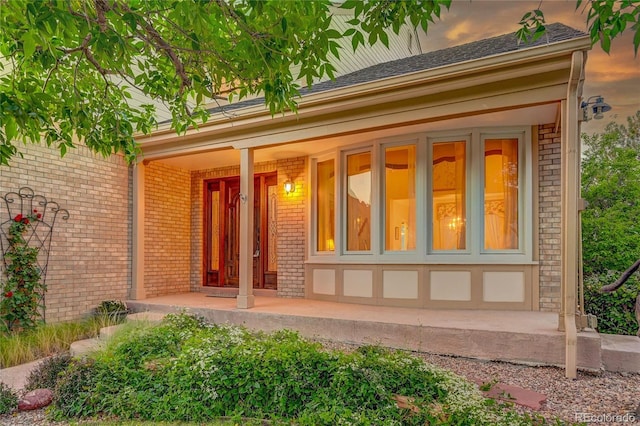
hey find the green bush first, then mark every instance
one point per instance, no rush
(74, 394)
(615, 311)
(46, 374)
(186, 370)
(8, 399)
(610, 225)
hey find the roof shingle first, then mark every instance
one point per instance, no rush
(475, 50)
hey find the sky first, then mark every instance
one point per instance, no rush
(616, 76)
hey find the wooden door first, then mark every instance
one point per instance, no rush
(222, 232)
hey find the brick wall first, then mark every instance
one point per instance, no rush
(291, 227)
(167, 225)
(90, 258)
(549, 151)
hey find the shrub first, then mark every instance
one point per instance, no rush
(114, 311)
(46, 374)
(8, 399)
(46, 340)
(74, 393)
(615, 311)
(186, 370)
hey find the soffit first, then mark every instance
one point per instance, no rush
(540, 114)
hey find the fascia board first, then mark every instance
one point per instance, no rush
(365, 120)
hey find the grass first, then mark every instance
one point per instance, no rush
(46, 340)
(143, 423)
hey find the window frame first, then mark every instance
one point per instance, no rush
(419, 189)
(450, 138)
(524, 192)
(474, 253)
(375, 202)
(314, 205)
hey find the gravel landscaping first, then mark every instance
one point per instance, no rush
(592, 398)
(605, 398)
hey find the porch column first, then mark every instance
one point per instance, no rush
(570, 212)
(245, 296)
(137, 250)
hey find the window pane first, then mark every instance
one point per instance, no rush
(449, 178)
(359, 202)
(272, 236)
(500, 194)
(325, 190)
(400, 197)
(215, 230)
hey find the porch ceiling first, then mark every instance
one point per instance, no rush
(535, 115)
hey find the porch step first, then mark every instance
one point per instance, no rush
(83, 347)
(520, 337)
(146, 316)
(620, 353)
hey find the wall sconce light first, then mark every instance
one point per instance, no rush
(594, 107)
(289, 187)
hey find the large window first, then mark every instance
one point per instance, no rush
(500, 194)
(400, 197)
(449, 187)
(325, 209)
(358, 196)
(447, 197)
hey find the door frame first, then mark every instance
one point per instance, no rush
(260, 265)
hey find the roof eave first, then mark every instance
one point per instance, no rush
(259, 114)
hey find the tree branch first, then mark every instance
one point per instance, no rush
(102, 7)
(161, 44)
(623, 278)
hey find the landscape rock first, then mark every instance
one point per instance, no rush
(35, 399)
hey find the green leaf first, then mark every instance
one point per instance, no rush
(358, 39)
(29, 44)
(349, 4)
(373, 37)
(332, 34)
(605, 42)
(349, 32)
(384, 38)
(10, 128)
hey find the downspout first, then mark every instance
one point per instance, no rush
(570, 215)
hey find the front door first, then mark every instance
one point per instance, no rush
(222, 232)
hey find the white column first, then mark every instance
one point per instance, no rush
(570, 213)
(245, 297)
(137, 256)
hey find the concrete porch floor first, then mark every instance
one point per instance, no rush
(514, 336)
